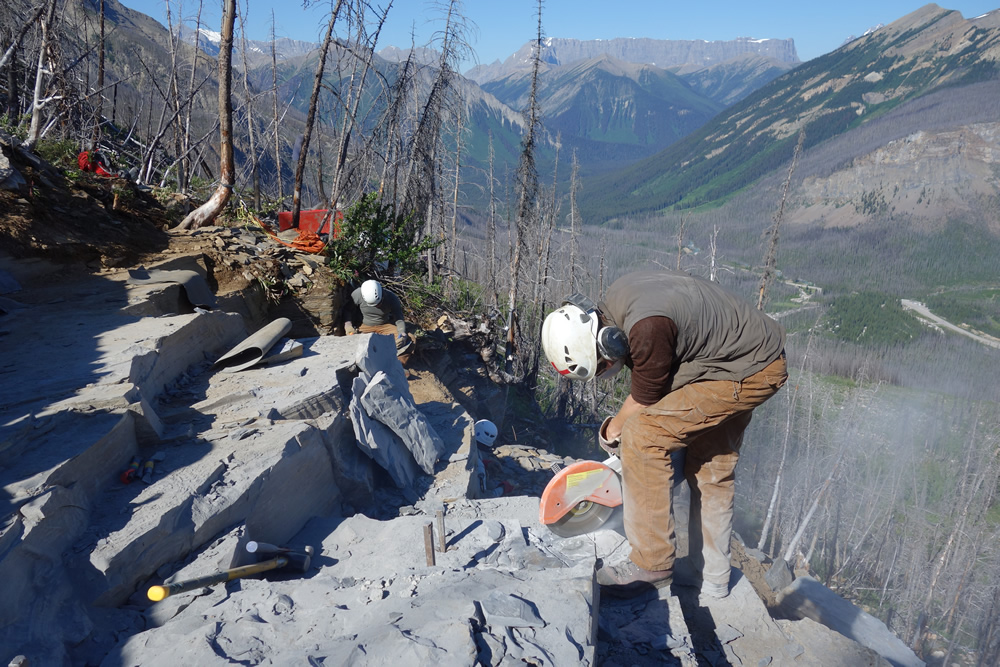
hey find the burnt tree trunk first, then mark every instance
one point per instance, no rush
(208, 211)
(300, 168)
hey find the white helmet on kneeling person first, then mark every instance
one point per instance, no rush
(486, 432)
(371, 292)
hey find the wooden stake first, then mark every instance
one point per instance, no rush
(429, 543)
(442, 542)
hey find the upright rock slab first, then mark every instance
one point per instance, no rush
(380, 443)
(393, 406)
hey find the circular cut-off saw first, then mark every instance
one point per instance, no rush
(581, 497)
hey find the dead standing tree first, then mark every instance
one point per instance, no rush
(249, 95)
(564, 388)
(770, 261)
(22, 31)
(9, 60)
(300, 167)
(421, 187)
(208, 211)
(453, 247)
(274, 100)
(771, 255)
(362, 49)
(491, 233)
(543, 265)
(388, 135)
(100, 75)
(184, 164)
(525, 217)
(42, 75)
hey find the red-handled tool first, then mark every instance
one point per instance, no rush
(131, 472)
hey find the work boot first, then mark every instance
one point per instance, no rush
(713, 590)
(686, 574)
(627, 579)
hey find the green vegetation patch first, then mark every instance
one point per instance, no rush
(871, 317)
(374, 238)
(891, 257)
(60, 152)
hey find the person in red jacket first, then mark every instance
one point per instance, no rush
(95, 162)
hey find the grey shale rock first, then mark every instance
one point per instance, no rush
(380, 443)
(808, 598)
(393, 405)
(779, 575)
(502, 610)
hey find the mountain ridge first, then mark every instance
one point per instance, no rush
(663, 53)
(826, 97)
(604, 101)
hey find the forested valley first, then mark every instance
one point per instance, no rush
(876, 468)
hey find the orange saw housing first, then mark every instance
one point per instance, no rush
(582, 481)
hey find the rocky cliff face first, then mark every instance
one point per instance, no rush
(928, 175)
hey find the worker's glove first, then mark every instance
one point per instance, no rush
(609, 446)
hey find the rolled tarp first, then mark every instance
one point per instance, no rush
(252, 350)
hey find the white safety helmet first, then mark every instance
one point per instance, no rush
(371, 292)
(486, 432)
(570, 339)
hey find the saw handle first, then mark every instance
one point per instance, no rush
(157, 593)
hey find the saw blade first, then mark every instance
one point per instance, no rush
(585, 517)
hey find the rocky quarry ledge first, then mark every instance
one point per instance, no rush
(313, 442)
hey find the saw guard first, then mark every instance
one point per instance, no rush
(582, 481)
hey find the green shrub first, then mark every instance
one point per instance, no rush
(15, 127)
(58, 152)
(374, 239)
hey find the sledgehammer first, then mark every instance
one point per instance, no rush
(289, 559)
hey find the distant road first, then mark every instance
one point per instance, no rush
(785, 313)
(922, 311)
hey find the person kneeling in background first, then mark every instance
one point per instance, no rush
(381, 312)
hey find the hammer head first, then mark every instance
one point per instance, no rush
(299, 562)
(255, 547)
(295, 561)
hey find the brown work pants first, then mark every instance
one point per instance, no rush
(707, 420)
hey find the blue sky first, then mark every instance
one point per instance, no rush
(503, 26)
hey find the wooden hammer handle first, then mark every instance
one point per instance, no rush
(157, 593)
